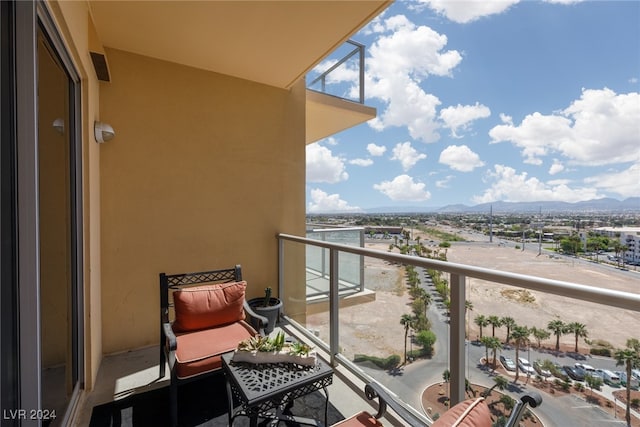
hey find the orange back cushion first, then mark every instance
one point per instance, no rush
(469, 413)
(207, 306)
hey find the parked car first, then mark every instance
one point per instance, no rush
(585, 369)
(537, 365)
(508, 364)
(608, 377)
(525, 366)
(635, 382)
(573, 373)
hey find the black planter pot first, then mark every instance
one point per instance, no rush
(272, 312)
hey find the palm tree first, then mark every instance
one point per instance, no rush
(540, 334)
(485, 342)
(500, 382)
(579, 330)
(493, 344)
(509, 323)
(520, 335)
(407, 321)
(630, 358)
(495, 322)
(558, 328)
(481, 321)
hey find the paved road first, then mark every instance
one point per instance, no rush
(409, 381)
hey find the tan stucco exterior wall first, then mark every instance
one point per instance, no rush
(204, 170)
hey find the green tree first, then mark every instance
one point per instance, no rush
(426, 339)
(495, 322)
(520, 335)
(509, 323)
(540, 334)
(558, 328)
(579, 330)
(630, 358)
(482, 322)
(446, 375)
(500, 382)
(407, 321)
(493, 344)
(593, 382)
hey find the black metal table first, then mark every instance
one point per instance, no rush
(261, 388)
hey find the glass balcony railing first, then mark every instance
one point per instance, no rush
(351, 331)
(341, 74)
(351, 268)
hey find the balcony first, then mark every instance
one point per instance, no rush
(136, 371)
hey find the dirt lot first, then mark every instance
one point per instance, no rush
(374, 328)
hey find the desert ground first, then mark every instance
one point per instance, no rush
(374, 328)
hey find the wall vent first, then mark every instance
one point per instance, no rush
(100, 65)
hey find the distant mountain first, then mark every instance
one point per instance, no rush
(632, 204)
(604, 205)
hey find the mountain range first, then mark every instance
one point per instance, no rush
(605, 205)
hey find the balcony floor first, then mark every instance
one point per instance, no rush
(125, 375)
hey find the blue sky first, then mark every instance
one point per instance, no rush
(481, 101)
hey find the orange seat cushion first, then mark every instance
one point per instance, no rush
(200, 351)
(363, 419)
(469, 413)
(208, 306)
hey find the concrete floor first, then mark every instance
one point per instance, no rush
(137, 371)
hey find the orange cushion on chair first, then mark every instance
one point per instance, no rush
(200, 351)
(208, 306)
(469, 413)
(363, 419)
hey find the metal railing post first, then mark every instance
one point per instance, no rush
(457, 342)
(361, 52)
(334, 305)
(281, 268)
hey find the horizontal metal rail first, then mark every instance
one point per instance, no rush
(614, 298)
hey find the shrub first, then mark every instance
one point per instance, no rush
(426, 339)
(600, 351)
(383, 363)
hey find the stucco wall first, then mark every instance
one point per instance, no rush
(204, 170)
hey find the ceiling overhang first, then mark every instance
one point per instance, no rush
(271, 42)
(327, 115)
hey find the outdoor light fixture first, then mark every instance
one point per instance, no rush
(58, 125)
(103, 132)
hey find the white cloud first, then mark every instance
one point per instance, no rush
(461, 116)
(556, 167)
(460, 158)
(624, 183)
(376, 150)
(361, 162)
(600, 128)
(323, 166)
(470, 10)
(509, 186)
(322, 202)
(403, 188)
(399, 61)
(564, 1)
(407, 155)
(444, 183)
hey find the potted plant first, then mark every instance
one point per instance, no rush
(268, 307)
(260, 349)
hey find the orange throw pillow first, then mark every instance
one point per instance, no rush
(208, 306)
(469, 413)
